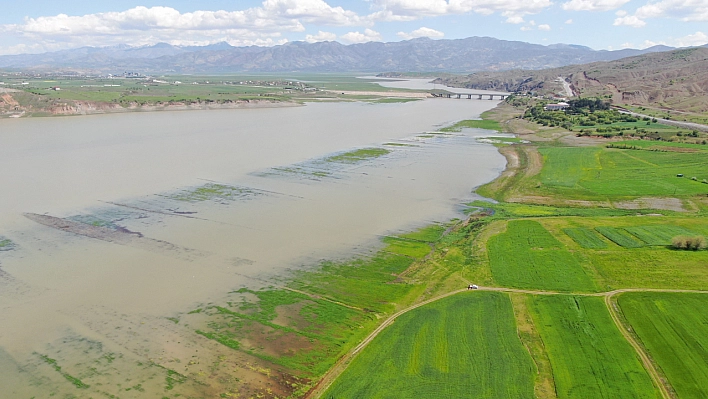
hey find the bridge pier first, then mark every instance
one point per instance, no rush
(469, 95)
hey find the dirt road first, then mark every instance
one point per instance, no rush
(661, 384)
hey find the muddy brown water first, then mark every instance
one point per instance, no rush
(167, 211)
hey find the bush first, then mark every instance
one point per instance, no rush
(692, 243)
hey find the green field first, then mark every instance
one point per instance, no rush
(674, 329)
(528, 256)
(600, 173)
(645, 266)
(620, 237)
(586, 238)
(465, 346)
(658, 235)
(588, 355)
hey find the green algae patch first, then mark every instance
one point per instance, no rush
(362, 154)
(6, 244)
(473, 123)
(53, 363)
(214, 192)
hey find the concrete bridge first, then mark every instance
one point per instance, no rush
(479, 96)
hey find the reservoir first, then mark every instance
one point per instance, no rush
(117, 223)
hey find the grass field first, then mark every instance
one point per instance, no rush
(459, 347)
(589, 357)
(674, 329)
(599, 173)
(528, 256)
(586, 238)
(508, 210)
(620, 237)
(646, 266)
(658, 235)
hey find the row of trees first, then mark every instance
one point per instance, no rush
(689, 243)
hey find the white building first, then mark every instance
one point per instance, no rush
(556, 107)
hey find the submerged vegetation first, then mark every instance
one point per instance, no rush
(359, 155)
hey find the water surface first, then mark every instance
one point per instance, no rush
(179, 208)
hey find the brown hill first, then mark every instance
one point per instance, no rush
(676, 80)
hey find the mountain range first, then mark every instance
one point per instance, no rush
(417, 55)
(675, 79)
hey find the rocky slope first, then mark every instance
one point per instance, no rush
(676, 79)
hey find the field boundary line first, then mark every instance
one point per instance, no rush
(643, 356)
(341, 365)
(344, 361)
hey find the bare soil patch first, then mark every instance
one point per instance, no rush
(669, 204)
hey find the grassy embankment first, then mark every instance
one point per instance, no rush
(567, 233)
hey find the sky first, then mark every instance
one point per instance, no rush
(35, 26)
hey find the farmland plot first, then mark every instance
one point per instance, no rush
(658, 234)
(586, 238)
(588, 355)
(601, 174)
(465, 346)
(528, 256)
(674, 329)
(620, 237)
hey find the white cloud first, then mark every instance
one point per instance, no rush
(526, 28)
(629, 20)
(409, 10)
(569, 21)
(545, 27)
(649, 43)
(321, 37)
(515, 20)
(421, 32)
(358, 37)
(696, 39)
(140, 25)
(685, 10)
(593, 5)
(311, 11)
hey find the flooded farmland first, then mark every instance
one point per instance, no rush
(114, 226)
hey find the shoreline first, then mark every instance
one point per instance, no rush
(83, 108)
(181, 323)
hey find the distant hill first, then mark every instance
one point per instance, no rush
(676, 79)
(417, 55)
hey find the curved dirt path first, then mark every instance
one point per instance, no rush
(345, 360)
(643, 356)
